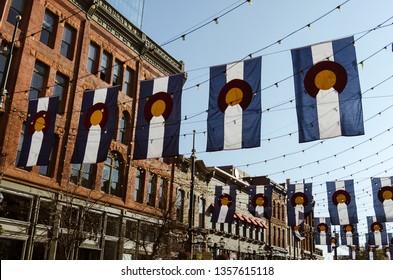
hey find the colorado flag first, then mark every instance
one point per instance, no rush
(159, 116)
(234, 116)
(260, 204)
(299, 203)
(322, 231)
(39, 132)
(97, 124)
(383, 198)
(342, 202)
(224, 204)
(328, 95)
(377, 234)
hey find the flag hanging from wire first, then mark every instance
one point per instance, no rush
(234, 115)
(377, 234)
(327, 89)
(39, 132)
(341, 202)
(97, 123)
(299, 203)
(322, 230)
(349, 235)
(159, 115)
(260, 202)
(383, 198)
(224, 204)
(353, 252)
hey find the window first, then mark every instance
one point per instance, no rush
(60, 89)
(117, 73)
(112, 175)
(124, 121)
(16, 8)
(15, 207)
(46, 212)
(68, 42)
(112, 226)
(180, 205)
(92, 60)
(39, 80)
(163, 193)
(131, 229)
(105, 72)
(201, 212)
(128, 86)
(139, 185)
(83, 175)
(48, 32)
(69, 217)
(151, 190)
(48, 170)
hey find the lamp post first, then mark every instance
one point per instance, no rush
(191, 208)
(9, 61)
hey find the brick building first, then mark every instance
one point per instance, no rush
(117, 209)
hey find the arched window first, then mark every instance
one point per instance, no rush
(112, 175)
(124, 123)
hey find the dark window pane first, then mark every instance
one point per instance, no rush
(15, 207)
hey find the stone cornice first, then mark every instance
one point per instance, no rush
(122, 29)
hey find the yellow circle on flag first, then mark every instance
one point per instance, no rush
(341, 198)
(387, 195)
(96, 117)
(234, 96)
(259, 201)
(158, 108)
(299, 200)
(325, 79)
(39, 124)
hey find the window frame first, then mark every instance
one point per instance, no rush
(67, 46)
(49, 29)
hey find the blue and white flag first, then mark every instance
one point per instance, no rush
(298, 232)
(322, 231)
(97, 122)
(389, 248)
(342, 202)
(299, 203)
(234, 116)
(260, 204)
(349, 235)
(159, 116)
(377, 234)
(353, 252)
(224, 204)
(383, 198)
(328, 95)
(371, 252)
(39, 132)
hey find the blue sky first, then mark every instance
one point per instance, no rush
(251, 28)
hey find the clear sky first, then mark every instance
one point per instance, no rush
(256, 29)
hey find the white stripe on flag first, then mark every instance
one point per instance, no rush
(342, 208)
(38, 136)
(349, 237)
(94, 134)
(299, 209)
(224, 208)
(157, 124)
(327, 101)
(233, 117)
